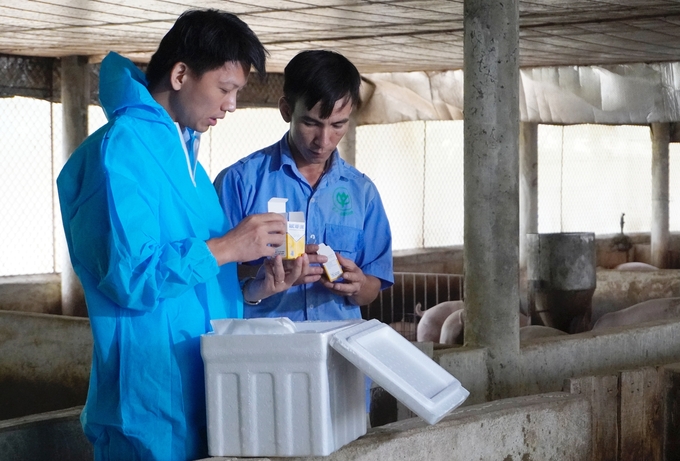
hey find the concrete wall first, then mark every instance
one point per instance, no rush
(617, 290)
(31, 293)
(56, 435)
(44, 362)
(447, 260)
(625, 416)
(552, 426)
(630, 415)
(45, 359)
(547, 362)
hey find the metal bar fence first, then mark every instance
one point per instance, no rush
(397, 305)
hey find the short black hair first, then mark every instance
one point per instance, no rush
(321, 75)
(205, 40)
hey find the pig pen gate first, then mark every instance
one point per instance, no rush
(396, 305)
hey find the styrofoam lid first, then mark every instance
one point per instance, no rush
(401, 369)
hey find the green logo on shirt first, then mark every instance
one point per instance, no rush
(342, 201)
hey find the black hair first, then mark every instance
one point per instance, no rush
(205, 40)
(321, 75)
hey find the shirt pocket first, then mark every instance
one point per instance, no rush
(346, 240)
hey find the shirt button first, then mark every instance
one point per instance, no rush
(313, 200)
(311, 306)
(312, 237)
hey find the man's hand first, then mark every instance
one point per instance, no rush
(273, 278)
(256, 236)
(360, 288)
(310, 273)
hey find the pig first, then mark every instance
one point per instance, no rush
(430, 325)
(454, 327)
(647, 311)
(636, 266)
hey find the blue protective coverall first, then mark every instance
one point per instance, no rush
(136, 225)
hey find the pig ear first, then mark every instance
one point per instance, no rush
(419, 310)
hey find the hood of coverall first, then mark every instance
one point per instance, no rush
(122, 88)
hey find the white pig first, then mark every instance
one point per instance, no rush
(636, 266)
(453, 328)
(430, 325)
(647, 311)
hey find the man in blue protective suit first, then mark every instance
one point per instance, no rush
(342, 206)
(150, 244)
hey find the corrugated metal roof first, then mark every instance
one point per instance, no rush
(378, 36)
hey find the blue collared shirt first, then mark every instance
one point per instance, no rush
(344, 212)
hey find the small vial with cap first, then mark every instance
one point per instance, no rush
(332, 267)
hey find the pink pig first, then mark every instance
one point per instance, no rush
(647, 311)
(430, 325)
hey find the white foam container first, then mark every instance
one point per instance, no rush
(293, 395)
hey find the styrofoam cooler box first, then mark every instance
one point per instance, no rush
(275, 387)
(281, 394)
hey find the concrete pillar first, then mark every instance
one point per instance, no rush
(528, 187)
(491, 151)
(659, 230)
(75, 98)
(348, 143)
(528, 201)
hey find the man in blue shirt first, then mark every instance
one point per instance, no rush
(342, 206)
(146, 236)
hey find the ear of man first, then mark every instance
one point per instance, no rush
(178, 74)
(285, 109)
